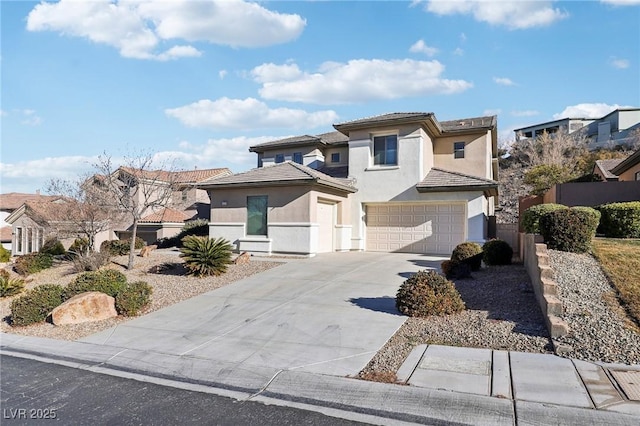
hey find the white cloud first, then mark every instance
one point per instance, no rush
(587, 110)
(503, 81)
(511, 14)
(267, 73)
(30, 118)
(222, 74)
(525, 113)
(619, 63)
(246, 114)
(458, 51)
(622, 2)
(421, 47)
(137, 28)
(47, 168)
(359, 80)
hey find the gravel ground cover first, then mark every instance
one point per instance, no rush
(599, 330)
(501, 313)
(169, 287)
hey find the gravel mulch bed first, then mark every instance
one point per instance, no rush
(169, 287)
(598, 327)
(502, 313)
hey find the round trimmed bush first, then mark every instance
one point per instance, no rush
(79, 247)
(32, 263)
(620, 220)
(497, 252)
(36, 304)
(133, 297)
(428, 293)
(53, 246)
(569, 229)
(531, 216)
(469, 253)
(106, 281)
(121, 247)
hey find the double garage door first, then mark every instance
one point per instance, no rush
(415, 228)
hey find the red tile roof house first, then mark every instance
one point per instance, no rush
(9, 203)
(33, 220)
(400, 182)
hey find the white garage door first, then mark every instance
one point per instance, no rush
(326, 223)
(415, 228)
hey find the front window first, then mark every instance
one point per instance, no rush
(385, 150)
(19, 240)
(637, 175)
(335, 157)
(279, 158)
(297, 157)
(257, 215)
(458, 150)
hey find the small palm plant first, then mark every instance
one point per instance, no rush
(9, 286)
(203, 256)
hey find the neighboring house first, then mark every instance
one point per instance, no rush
(9, 203)
(629, 169)
(621, 126)
(603, 169)
(187, 201)
(400, 182)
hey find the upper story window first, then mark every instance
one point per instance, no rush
(279, 158)
(385, 150)
(637, 175)
(458, 150)
(335, 157)
(297, 157)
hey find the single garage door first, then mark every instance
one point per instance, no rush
(415, 228)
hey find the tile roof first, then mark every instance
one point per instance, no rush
(43, 211)
(5, 234)
(329, 138)
(605, 166)
(166, 215)
(187, 176)
(439, 180)
(283, 173)
(469, 123)
(627, 163)
(14, 200)
(394, 116)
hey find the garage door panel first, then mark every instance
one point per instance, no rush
(415, 228)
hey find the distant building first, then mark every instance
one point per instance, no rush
(615, 128)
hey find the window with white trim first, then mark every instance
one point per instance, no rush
(458, 150)
(279, 158)
(257, 215)
(385, 150)
(297, 157)
(335, 157)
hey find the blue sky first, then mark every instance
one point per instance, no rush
(198, 82)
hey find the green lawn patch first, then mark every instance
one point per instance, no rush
(620, 260)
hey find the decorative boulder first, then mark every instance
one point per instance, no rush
(146, 250)
(242, 259)
(85, 307)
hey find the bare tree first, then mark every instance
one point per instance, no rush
(136, 189)
(552, 149)
(86, 210)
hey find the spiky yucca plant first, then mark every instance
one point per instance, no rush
(203, 256)
(9, 286)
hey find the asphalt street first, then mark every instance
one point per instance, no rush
(41, 393)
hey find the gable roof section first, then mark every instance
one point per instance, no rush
(439, 180)
(287, 173)
(324, 139)
(605, 167)
(40, 211)
(14, 200)
(625, 165)
(166, 215)
(183, 177)
(474, 123)
(391, 119)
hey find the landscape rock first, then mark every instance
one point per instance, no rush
(242, 259)
(85, 307)
(146, 250)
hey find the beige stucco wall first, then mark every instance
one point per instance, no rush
(477, 155)
(630, 174)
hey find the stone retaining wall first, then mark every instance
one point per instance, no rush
(536, 261)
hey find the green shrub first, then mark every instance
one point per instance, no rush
(90, 261)
(448, 267)
(497, 252)
(133, 297)
(199, 227)
(106, 281)
(544, 176)
(203, 256)
(80, 246)
(531, 216)
(620, 220)
(469, 253)
(428, 293)
(36, 304)
(569, 229)
(121, 247)
(9, 286)
(53, 246)
(5, 255)
(32, 263)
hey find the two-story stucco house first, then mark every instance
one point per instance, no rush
(400, 182)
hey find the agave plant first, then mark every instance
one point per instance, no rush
(203, 256)
(9, 286)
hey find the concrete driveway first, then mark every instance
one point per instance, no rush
(329, 314)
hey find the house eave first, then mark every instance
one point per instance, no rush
(278, 183)
(488, 190)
